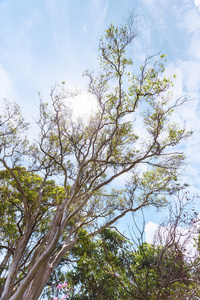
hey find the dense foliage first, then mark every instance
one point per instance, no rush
(109, 267)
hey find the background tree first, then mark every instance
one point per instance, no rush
(111, 267)
(85, 157)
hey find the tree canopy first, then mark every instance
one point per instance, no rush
(110, 266)
(66, 180)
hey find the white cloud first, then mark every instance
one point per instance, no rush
(197, 3)
(151, 3)
(150, 230)
(186, 83)
(190, 20)
(185, 236)
(194, 46)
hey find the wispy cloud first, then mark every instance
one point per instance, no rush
(102, 14)
(187, 84)
(7, 92)
(190, 20)
(85, 28)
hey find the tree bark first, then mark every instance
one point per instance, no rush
(37, 285)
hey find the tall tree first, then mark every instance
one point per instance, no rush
(86, 157)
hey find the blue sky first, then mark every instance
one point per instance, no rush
(44, 42)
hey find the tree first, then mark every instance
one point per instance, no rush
(148, 272)
(87, 275)
(84, 158)
(111, 267)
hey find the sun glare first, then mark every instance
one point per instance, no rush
(83, 106)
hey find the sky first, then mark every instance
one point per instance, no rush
(44, 42)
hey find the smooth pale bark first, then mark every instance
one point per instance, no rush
(37, 285)
(39, 282)
(10, 281)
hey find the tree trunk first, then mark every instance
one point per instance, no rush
(10, 280)
(38, 283)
